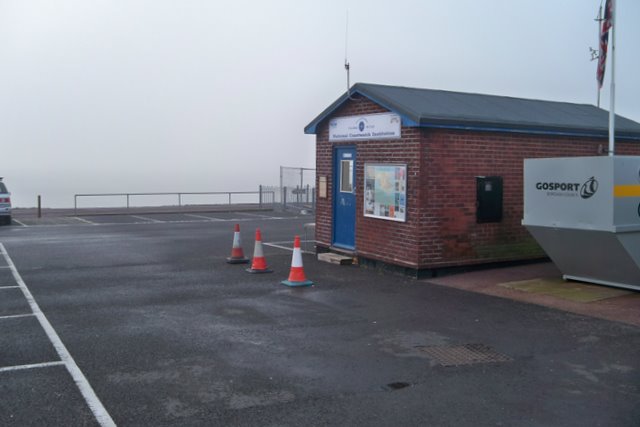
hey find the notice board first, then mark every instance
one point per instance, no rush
(385, 191)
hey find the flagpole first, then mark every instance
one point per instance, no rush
(612, 115)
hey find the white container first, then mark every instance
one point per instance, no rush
(585, 213)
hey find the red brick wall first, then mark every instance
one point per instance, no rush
(389, 241)
(324, 165)
(453, 159)
(442, 166)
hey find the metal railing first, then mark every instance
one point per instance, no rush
(297, 187)
(294, 197)
(264, 197)
(301, 198)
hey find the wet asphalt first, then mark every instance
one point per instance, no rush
(167, 333)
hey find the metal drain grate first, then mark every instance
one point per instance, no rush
(467, 354)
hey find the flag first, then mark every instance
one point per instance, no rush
(604, 40)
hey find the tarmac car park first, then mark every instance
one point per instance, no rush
(138, 320)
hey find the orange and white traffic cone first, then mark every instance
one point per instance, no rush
(259, 263)
(296, 275)
(237, 255)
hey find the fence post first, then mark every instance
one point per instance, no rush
(306, 193)
(127, 201)
(229, 198)
(260, 196)
(75, 204)
(39, 206)
(281, 182)
(313, 199)
(301, 178)
(284, 197)
(179, 200)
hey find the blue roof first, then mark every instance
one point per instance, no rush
(456, 110)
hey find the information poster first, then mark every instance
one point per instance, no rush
(385, 191)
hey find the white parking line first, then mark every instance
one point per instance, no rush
(85, 220)
(277, 246)
(204, 217)
(254, 215)
(31, 366)
(14, 316)
(290, 242)
(9, 287)
(290, 249)
(99, 411)
(144, 218)
(20, 222)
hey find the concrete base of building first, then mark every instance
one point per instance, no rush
(430, 272)
(425, 273)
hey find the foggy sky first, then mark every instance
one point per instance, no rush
(158, 95)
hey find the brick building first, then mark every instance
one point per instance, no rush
(425, 180)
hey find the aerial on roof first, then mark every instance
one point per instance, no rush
(456, 110)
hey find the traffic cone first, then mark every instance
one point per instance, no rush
(296, 275)
(259, 264)
(237, 255)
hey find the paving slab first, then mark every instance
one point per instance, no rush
(542, 284)
(572, 291)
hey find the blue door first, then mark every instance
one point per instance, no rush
(344, 198)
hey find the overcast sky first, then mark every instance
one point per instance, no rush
(159, 95)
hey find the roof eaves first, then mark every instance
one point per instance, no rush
(532, 130)
(409, 118)
(311, 128)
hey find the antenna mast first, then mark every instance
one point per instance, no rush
(346, 62)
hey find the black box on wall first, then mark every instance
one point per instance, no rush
(488, 199)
